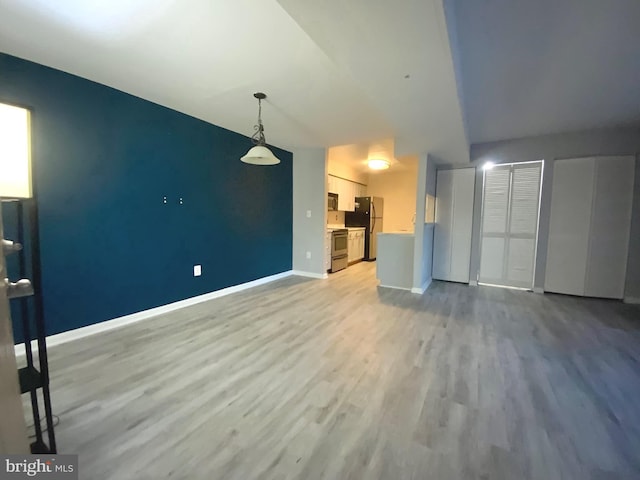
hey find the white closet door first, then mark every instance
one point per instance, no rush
(523, 225)
(610, 227)
(511, 200)
(454, 216)
(571, 199)
(495, 213)
(463, 192)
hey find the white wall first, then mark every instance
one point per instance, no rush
(342, 162)
(398, 188)
(632, 285)
(549, 148)
(423, 246)
(309, 193)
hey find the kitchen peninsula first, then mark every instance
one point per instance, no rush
(394, 266)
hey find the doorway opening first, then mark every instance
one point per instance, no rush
(510, 218)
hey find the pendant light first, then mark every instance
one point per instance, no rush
(260, 154)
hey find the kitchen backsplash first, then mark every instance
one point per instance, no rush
(335, 217)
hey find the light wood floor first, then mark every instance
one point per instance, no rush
(340, 379)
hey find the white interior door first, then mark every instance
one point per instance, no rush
(511, 201)
(453, 223)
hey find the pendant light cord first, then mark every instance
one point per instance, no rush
(258, 137)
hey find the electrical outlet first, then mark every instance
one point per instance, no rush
(197, 270)
(308, 255)
(308, 213)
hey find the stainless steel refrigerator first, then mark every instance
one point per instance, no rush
(368, 214)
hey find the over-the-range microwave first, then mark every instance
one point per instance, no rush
(332, 201)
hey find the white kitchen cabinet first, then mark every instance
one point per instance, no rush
(350, 195)
(360, 244)
(452, 232)
(355, 244)
(342, 194)
(355, 192)
(351, 237)
(330, 185)
(591, 201)
(345, 189)
(347, 192)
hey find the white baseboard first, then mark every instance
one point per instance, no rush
(422, 289)
(82, 332)
(395, 288)
(632, 300)
(473, 283)
(538, 290)
(300, 273)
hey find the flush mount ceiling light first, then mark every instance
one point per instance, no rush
(260, 154)
(378, 164)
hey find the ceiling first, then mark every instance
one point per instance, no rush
(334, 71)
(355, 157)
(547, 66)
(433, 75)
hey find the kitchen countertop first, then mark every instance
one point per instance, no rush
(411, 234)
(331, 228)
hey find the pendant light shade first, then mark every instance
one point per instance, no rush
(260, 154)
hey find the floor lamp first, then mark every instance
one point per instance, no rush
(17, 190)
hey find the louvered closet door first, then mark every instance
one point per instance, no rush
(511, 201)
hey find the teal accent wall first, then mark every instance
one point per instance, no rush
(103, 162)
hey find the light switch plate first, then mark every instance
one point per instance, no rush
(308, 213)
(197, 270)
